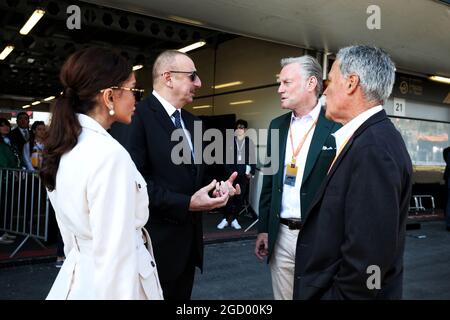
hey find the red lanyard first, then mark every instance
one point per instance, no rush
(300, 145)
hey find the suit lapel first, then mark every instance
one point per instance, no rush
(380, 116)
(161, 115)
(321, 133)
(283, 133)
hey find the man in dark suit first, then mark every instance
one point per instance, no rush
(303, 155)
(352, 241)
(21, 134)
(174, 188)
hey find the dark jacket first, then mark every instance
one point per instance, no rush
(248, 152)
(320, 155)
(175, 231)
(9, 156)
(358, 219)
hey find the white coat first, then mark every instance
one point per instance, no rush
(101, 206)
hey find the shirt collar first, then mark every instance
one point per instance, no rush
(312, 115)
(170, 109)
(349, 128)
(91, 124)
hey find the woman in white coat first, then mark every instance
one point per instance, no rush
(99, 197)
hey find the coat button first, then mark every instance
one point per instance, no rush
(139, 186)
(153, 264)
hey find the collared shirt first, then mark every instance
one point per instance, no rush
(25, 133)
(170, 109)
(344, 134)
(290, 203)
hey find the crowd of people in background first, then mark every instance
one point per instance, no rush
(22, 148)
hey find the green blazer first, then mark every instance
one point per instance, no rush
(320, 155)
(7, 157)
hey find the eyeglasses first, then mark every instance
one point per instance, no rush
(138, 93)
(192, 74)
(240, 127)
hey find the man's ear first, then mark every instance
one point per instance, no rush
(167, 79)
(352, 83)
(312, 83)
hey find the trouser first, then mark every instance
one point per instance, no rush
(236, 202)
(282, 263)
(59, 245)
(447, 209)
(180, 288)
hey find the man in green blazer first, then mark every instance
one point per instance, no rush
(304, 151)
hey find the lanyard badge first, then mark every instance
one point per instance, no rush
(292, 169)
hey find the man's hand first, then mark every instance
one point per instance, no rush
(262, 246)
(227, 186)
(201, 201)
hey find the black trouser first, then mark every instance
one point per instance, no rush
(236, 202)
(181, 287)
(59, 245)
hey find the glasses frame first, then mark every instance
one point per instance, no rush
(192, 74)
(137, 93)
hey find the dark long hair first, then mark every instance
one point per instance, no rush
(83, 75)
(32, 140)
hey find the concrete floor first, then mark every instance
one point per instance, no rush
(232, 271)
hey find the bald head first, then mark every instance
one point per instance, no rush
(175, 78)
(166, 61)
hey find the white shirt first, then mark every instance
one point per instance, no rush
(290, 202)
(170, 109)
(343, 134)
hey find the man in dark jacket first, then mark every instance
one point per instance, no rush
(352, 242)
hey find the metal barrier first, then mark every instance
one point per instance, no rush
(418, 203)
(24, 206)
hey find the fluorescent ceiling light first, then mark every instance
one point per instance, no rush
(440, 79)
(241, 102)
(137, 67)
(192, 46)
(27, 106)
(6, 52)
(185, 20)
(228, 84)
(49, 98)
(35, 17)
(35, 103)
(201, 107)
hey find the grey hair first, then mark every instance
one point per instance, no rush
(374, 67)
(309, 67)
(165, 60)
